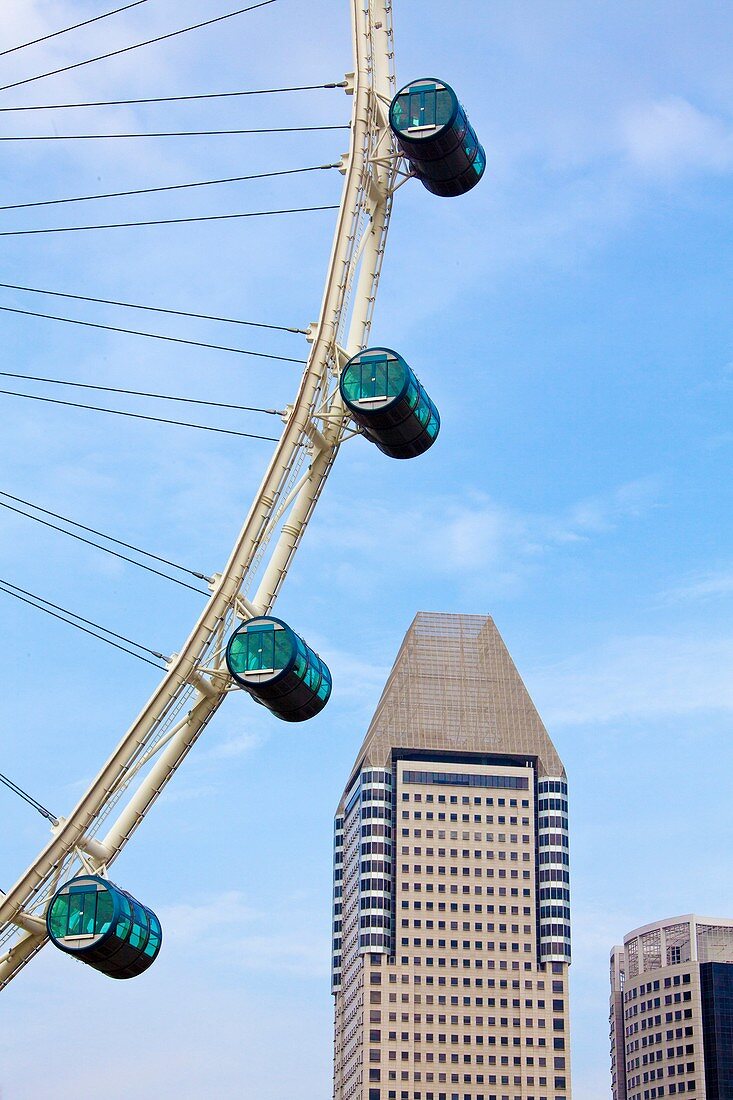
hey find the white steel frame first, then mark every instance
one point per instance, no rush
(196, 680)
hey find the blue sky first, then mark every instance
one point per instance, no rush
(571, 319)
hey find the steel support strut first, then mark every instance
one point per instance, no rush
(280, 511)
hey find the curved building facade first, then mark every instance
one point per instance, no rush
(671, 1018)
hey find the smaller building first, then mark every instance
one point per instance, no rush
(671, 1011)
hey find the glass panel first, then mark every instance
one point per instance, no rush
(412, 395)
(137, 936)
(325, 686)
(105, 910)
(432, 427)
(90, 905)
(123, 924)
(59, 916)
(395, 378)
(400, 111)
(429, 108)
(443, 108)
(155, 934)
(152, 945)
(76, 905)
(417, 108)
(140, 916)
(238, 653)
(312, 677)
(283, 648)
(352, 382)
(261, 650)
(379, 376)
(423, 412)
(480, 162)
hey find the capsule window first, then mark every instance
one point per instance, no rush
(423, 106)
(123, 924)
(325, 685)
(81, 912)
(154, 938)
(373, 377)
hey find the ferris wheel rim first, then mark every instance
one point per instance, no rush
(366, 195)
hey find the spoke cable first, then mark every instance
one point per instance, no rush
(110, 538)
(151, 335)
(106, 549)
(164, 221)
(154, 309)
(175, 98)
(38, 602)
(169, 187)
(139, 416)
(172, 133)
(136, 45)
(27, 797)
(142, 393)
(85, 23)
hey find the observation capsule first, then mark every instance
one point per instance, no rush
(274, 664)
(385, 398)
(104, 927)
(435, 136)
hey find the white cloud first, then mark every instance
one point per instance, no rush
(701, 586)
(186, 923)
(637, 677)
(476, 537)
(670, 136)
(250, 939)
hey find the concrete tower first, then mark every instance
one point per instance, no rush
(451, 933)
(672, 1011)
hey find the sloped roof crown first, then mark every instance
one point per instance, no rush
(454, 687)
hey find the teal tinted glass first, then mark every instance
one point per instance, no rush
(154, 938)
(105, 911)
(261, 649)
(325, 685)
(312, 676)
(123, 924)
(137, 935)
(59, 916)
(399, 112)
(411, 395)
(423, 105)
(283, 648)
(301, 661)
(423, 412)
(238, 653)
(76, 907)
(432, 428)
(470, 143)
(370, 378)
(443, 107)
(90, 905)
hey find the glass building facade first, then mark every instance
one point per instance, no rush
(716, 990)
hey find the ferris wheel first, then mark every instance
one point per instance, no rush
(348, 387)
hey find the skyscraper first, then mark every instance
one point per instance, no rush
(672, 1011)
(451, 932)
